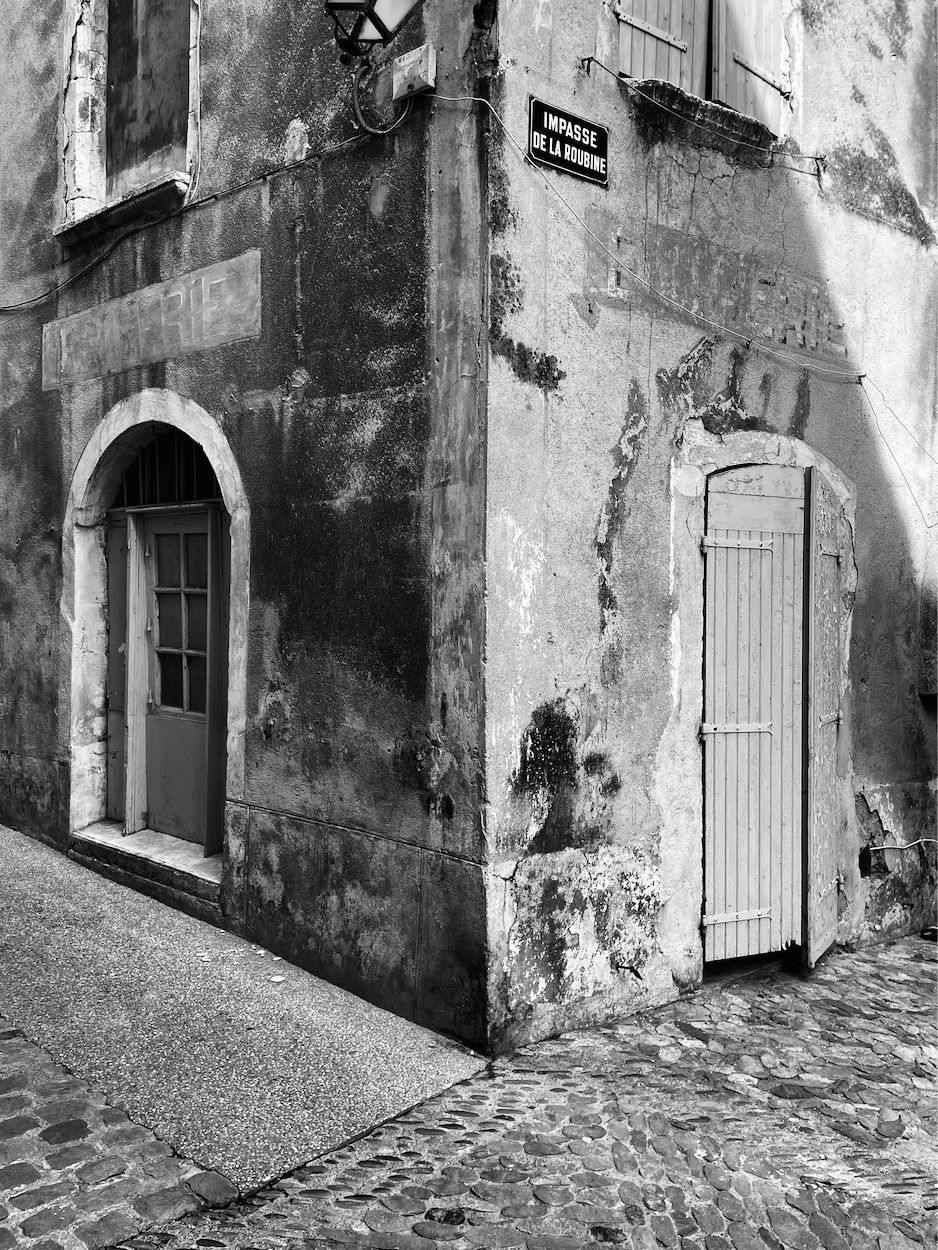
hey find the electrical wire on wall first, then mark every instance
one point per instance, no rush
(362, 78)
(850, 377)
(629, 83)
(142, 226)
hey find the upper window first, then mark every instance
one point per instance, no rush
(130, 109)
(729, 51)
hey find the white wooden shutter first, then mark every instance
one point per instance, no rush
(747, 59)
(752, 728)
(665, 39)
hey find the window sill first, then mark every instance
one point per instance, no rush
(153, 199)
(664, 112)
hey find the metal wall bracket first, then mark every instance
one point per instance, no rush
(832, 718)
(830, 887)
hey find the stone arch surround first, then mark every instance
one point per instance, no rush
(679, 768)
(112, 445)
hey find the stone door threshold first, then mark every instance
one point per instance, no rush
(170, 869)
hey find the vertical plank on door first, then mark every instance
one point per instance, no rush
(710, 715)
(116, 664)
(639, 40)
(216, 684)
(138, 680)
(694, 30)
(767, 755)
(731, 740)
(758, 715)
(718, 746)
(736, 934)
(662, 20)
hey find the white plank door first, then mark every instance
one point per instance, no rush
(753, 722)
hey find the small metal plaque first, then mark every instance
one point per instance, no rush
(208, 308)
(563, 141)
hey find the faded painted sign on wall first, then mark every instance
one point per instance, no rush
(208, 308)
(751, 294)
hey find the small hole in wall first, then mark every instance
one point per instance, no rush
(872, 862)
(447, 807)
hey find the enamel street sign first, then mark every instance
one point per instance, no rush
(568, 143)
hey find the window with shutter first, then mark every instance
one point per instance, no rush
(147, 91)
(747, 58)
(130, 114)
(665, 39)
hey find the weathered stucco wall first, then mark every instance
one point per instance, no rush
(354, 843)
(31, 463)
(599, 388)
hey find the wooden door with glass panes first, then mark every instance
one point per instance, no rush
(181, 619)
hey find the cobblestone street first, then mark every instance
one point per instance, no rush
(76, 1172)
(772, 1112)
(766, 1112)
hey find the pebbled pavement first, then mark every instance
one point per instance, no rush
(75, 1172)
(769, 1114)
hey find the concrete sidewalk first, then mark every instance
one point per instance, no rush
(243, 1063)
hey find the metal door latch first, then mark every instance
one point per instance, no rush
(763, 727)
(734, 544)
(734, 917)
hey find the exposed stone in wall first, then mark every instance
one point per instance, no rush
(576, 926)
(891, 891)
(624, 455)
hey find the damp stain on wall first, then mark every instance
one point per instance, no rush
(624, 454)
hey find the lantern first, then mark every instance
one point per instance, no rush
(360, 25)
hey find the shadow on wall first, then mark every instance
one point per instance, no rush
(584, 913)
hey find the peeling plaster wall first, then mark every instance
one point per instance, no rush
(602, 394)
(354, 840)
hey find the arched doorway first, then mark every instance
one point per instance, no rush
(156, 565)
(167, 580)
(774, 545)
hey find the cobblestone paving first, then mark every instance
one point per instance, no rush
(772, 1113)
(76, 1173)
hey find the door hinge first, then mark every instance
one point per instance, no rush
(764, 74)
(835, 555)
(655, 31)
(743, 544)
(730, 917)
(764, 727)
